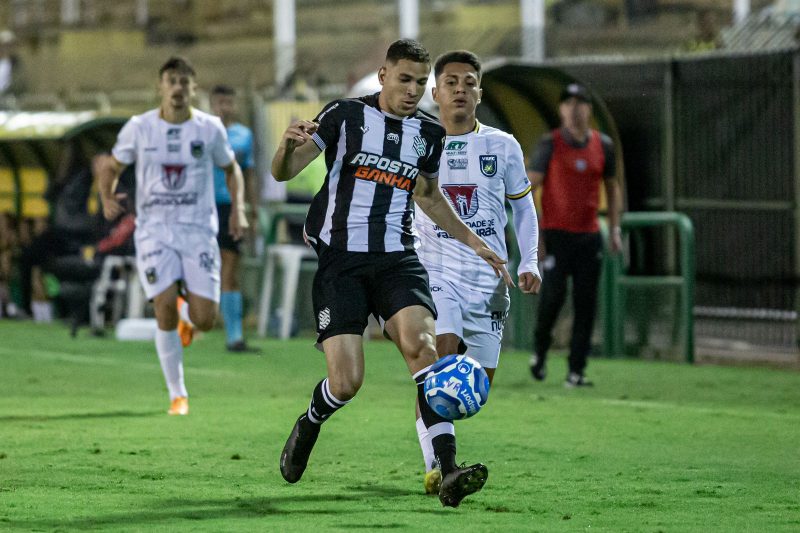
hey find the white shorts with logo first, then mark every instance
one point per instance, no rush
(476, 317)
(164, 257)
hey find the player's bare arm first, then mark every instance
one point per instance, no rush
(107, 170)
(235, 182)
(429, 198)
(613, 202)
(296, 150)
(252, 195)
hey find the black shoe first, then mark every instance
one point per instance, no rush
(242, 347)
(462, 482)
(577, 380)
(294, 457)
(538, 368)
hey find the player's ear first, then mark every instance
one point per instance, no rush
(435, 94)
(382, 74)
(480, 95)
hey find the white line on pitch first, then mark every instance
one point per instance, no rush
(96, 360)
(643, 404)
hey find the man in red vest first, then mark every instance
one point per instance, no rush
(569, 164)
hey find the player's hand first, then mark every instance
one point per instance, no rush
(529, 283)
(237, 223)
(298, 133)
(112, 206)
(497, 264)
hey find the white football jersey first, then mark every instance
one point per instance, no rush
(478, 171)
(174, 169)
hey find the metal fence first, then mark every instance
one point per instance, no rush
(716, 136)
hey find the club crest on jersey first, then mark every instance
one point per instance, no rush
(463, 198)
(196, 148)
(488, 165)
(174, 176)
(420, 146)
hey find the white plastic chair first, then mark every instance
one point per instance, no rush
(290, 258)
(124, 287)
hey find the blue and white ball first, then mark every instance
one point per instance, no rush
(456, 387)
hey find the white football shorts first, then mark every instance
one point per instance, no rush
(476, 317)
(164, 258)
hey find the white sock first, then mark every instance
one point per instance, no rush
(183, 311)
(42, 311)
(170, 353)
(425, 442)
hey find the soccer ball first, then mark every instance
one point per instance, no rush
(456, 387)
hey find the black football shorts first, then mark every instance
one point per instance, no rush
(349, 286)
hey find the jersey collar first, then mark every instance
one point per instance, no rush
(476, 129)
(161, 115)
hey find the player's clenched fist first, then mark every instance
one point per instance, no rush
(298, 133)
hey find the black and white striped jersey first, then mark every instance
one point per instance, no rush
(373, 160)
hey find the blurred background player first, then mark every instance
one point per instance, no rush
(569, 164)
(379, 151)
(175, 148)
(223, 105)
(481, 167)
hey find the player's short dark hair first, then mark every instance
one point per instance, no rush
(457, 56)
(407, 49)
(177, 63)
(223, 90)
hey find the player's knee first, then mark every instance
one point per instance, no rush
(447, 344)
(345, 389)
(422, 347)
(167, 323)
(167, 316)
(204, 322)
(202, 319)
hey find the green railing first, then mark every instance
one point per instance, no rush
(616, 281)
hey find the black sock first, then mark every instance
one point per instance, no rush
(444, 439)
(323, 403)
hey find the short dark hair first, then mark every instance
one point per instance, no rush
(457, 56)
(223, 90)
(177, 63)
(407, 49)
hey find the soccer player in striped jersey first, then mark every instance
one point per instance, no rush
(380, 151)
(481, 168)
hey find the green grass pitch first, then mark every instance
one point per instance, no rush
(85, 444)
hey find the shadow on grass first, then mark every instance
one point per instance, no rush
(236, 508)
(76, 416)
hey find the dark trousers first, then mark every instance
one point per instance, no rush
(575, 255)
(42, 251)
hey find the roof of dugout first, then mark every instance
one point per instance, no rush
(522, 98)
(33, 144)
(518, 97)
(37, 139)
